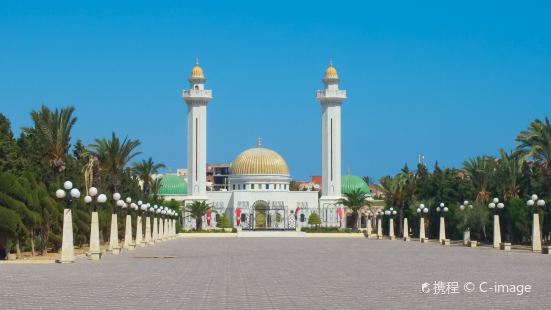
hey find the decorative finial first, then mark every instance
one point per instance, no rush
(330, 62)
(347, 170)
(196, 61)
(259, 142)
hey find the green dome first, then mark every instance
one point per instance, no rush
(172, 184)
(352, 182)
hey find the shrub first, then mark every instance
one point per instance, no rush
(314, 219)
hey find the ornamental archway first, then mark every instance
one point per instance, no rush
(266, 217)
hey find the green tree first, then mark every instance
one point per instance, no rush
(53, 128)
(535, 144)
(11, 159)
(197, 210)
(144, 170)
(155, 188)
(314, 219)
(223, 221)
(114, 155)
(355, 200)
(508, 174)
(480, 171)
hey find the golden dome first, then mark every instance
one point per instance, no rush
(259, 160)
(331, 72)
(197, 72)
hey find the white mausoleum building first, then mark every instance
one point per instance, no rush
(258, 195)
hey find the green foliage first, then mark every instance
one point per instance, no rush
(223, 221)
(516, 219)
(314, 219)
(197, 210)
(475, 219)
(355, 200)
(114, 155)
(144, 170)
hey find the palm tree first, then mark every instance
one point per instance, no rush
(155, 187)
(113, 156)
(144, 170)
(197, 210)
(509, 171)
(535, 143)
(355, 201)
(54, 129)
(480, 171)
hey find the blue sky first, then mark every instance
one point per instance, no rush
(449, 79)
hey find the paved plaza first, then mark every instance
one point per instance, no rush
(283, 273)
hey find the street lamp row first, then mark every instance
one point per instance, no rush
(163, 217)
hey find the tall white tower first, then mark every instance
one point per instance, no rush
(197, 98)
(331, 98)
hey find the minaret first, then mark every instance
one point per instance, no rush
(197, 99)
(331, 98)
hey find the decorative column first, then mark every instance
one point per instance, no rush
(406, 229)
(391, 228)
(536, 233)
(114, 246)
(442, 235)
(497, 232)
(330, 99)
(139, 224)
(95, 249)
(368, 224)
(421, 228)
(155, 233)
(148, 239)
(379, 226)
(128, 242)
(127, 232)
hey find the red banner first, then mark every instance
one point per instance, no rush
(209, 216)
(339, 213)
(238, 216)
(296, 212)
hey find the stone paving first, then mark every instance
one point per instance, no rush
(282, 273)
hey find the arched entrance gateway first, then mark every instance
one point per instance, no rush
(269, 216)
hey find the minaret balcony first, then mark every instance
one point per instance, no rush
(330, 94)
(197, 93)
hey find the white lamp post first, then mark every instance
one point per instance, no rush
(380, 225)
(465, 207)
(67, 246)
(95, 249)
(494, 205)
(422, 210)
(390, 213)
(368, 224)
(536, 203)
(114, 246)
(148, 237)
(442, 209)
(155, 233)
(128, 242)
(139, 234)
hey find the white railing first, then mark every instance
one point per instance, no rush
(198, 93)
(331, 93)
